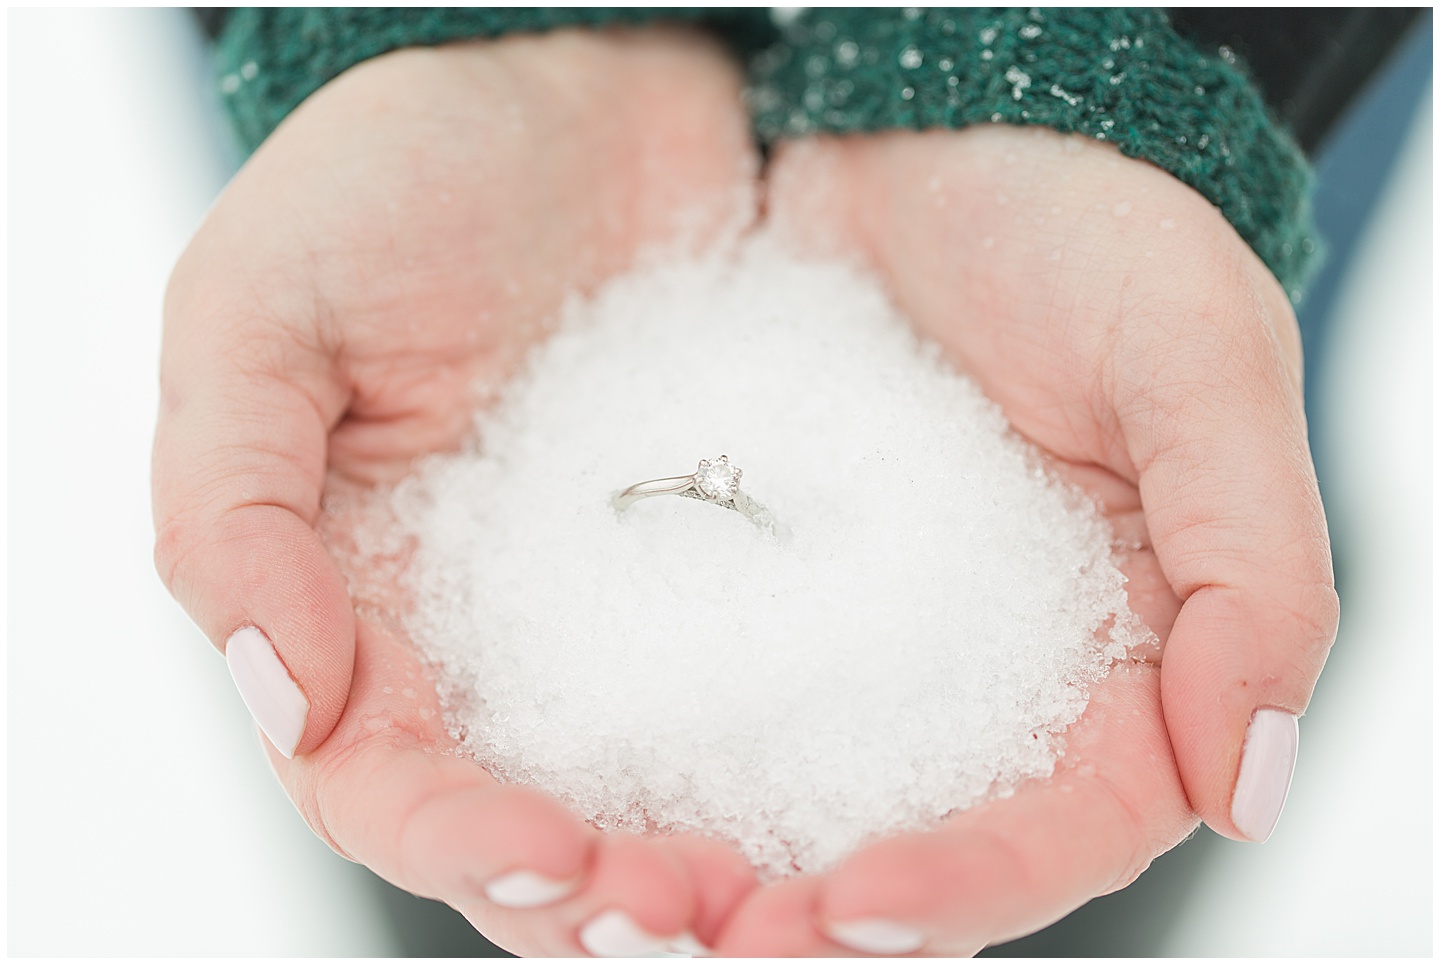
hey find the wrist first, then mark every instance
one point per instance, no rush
(269, 60)
(1119, 76)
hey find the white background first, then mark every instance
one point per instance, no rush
(142, 818)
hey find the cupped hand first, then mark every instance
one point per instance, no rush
(404, 234)
(1130, 333)
(397, 241)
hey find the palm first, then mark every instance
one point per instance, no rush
(430, 237)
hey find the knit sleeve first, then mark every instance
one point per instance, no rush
(1118, 75)
(271, 59)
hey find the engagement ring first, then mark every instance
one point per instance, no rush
(715, 481)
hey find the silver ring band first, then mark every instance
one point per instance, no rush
(715, 481)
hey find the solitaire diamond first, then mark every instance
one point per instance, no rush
(717, 479)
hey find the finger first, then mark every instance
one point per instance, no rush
(721, 878)
(643, 896)
(641, 902)
(779, 921)
(238, 468)
(439, 826)
(1217, 432)
(636, 901)
(526, 872)
(390, 791)
(1013, 866)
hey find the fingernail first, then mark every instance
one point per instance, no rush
(273, 698)
(1266, 766)
(614, 934)
(526, 889)
(687, 944)
(876, 936)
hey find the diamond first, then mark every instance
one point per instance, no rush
(717, 479)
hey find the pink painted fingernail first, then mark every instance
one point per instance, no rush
(876, 936)
(688, 945)
(614, 934)
(271, 695)
(1266, 765)
(526, 889)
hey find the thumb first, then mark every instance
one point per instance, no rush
(239, 464)
(1217, 433)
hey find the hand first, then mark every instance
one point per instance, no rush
(401, 236)
(1127, 331)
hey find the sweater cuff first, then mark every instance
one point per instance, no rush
(271, 59)
(1117, 75)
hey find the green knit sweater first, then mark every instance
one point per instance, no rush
(1117, 75)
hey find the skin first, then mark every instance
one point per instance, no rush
(404, 235)
(1127, 331)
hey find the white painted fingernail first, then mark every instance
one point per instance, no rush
(687, 944)
(273, 698)
(614, 934)
(876, 936)
(526, 889)
(1266, 765)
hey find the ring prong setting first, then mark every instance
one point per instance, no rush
(717, 480)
